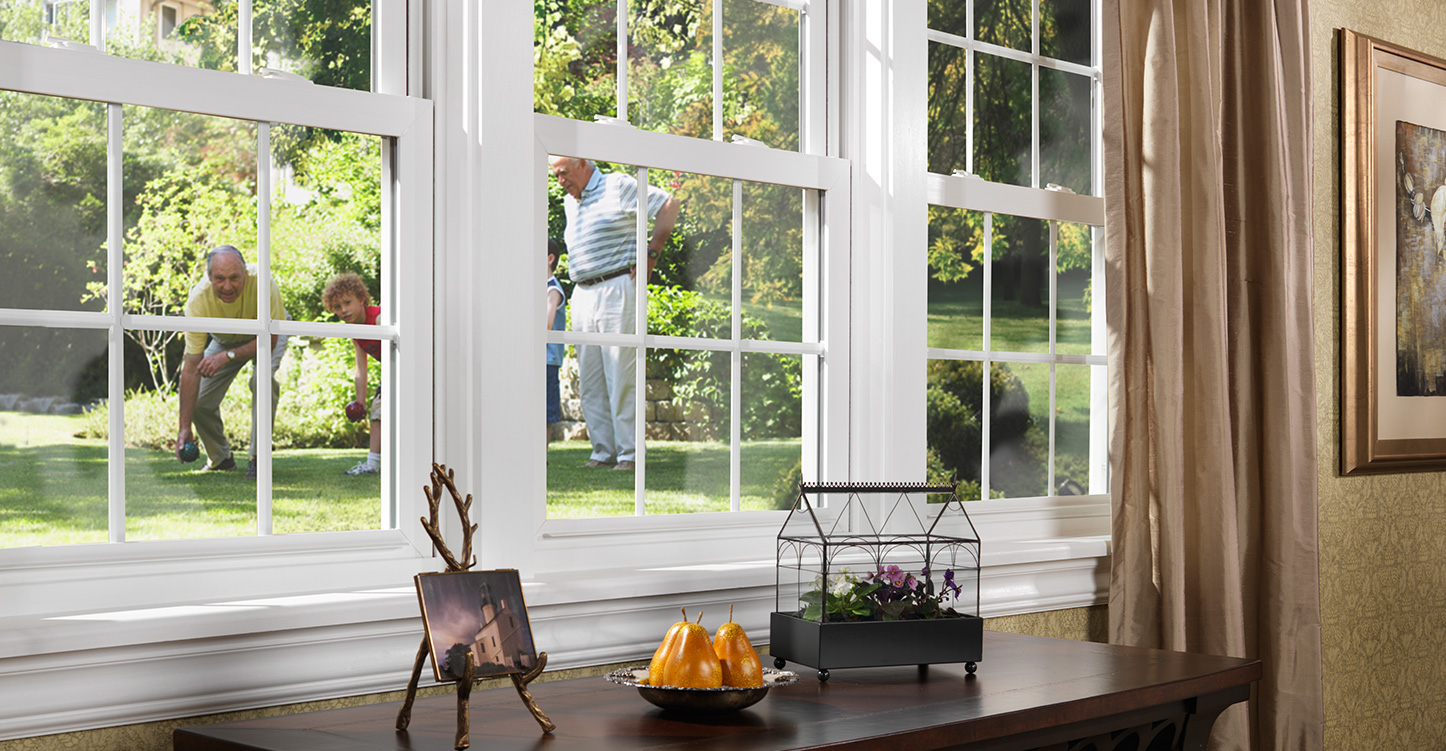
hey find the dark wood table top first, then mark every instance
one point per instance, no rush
(1024, 683)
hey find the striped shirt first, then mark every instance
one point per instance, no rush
(602, 224)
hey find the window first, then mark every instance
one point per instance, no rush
(1015, 369)
(715, 405)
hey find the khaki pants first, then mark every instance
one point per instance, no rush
(206, 415)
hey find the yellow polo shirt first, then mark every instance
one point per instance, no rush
(203, 303)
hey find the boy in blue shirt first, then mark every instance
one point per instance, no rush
(555, 319)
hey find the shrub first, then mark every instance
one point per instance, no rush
(773, 384)
(316, 382)
(955, 408)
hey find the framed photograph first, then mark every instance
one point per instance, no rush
(481, 612)
(1393, 266)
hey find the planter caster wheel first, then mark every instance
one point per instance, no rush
(779, 662)
(970, 668)
(924, 668)
(823, 676)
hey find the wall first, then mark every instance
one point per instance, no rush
(1383, 538)
(1078, 623)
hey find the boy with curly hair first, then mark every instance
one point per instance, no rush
(346, 296)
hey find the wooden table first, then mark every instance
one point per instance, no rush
(1030, 692)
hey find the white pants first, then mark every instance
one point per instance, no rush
(607, 375)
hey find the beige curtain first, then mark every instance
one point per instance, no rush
(1208, 257)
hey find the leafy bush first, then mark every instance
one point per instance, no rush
(955, 407)
(316, 382)
(773, 384)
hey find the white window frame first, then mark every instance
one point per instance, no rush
(190, 603)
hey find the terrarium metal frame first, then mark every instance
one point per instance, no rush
(852, 539)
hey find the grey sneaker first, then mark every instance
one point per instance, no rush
(362, 468)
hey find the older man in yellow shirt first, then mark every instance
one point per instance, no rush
(228, 291)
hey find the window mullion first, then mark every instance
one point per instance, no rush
(243, 37)
(735, 392)
(1049, 488)
(622, 76)
(261, 364)
(640, 331)
(718, 70)
(115, 300)
(986, 409)
(97, 24)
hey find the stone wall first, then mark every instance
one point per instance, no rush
(668, 418)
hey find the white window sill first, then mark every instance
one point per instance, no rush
(122, 664)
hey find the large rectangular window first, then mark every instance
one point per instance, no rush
(113, 303)
(705, 412)
(1015, 369)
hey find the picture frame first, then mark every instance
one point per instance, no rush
(1393, 265)
(478, 611)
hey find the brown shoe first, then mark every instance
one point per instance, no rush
(594, 464)
(625, 466)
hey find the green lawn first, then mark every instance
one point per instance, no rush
(55, 489)
(682, 477)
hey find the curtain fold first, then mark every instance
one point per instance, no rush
(1211, 351)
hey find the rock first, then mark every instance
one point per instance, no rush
(7, 401)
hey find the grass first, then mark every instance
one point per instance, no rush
(55, 490)
(55, 487)
(682, 477)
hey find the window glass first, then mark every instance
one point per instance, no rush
(1065, 158)
(689, 403)
(1006, 23)
(670, 72)
(761, 72)
(691, 290)
(773, 267)
(53, 485)
(36, 21)
(328, 42)
(771, 453)
(949, 16)
(52, 203)
(575, 55)
(184, 32)
(1074, 254)
(956, 278)
(1002, 120)
(948, 109)
(209, 496)
(954, 418)
(1019, 312)
(1073, 428)
(326, 217)
(1018, 429)
(1064, 30)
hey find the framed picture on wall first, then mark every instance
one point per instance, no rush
(480, 612)
(1393, 269)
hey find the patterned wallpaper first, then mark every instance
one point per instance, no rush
(1382, 538)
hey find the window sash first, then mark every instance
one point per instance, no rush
(407, 192)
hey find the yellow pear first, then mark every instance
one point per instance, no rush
(655, 667)
(691, 662)
(741, 666)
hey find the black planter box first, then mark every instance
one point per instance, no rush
(864, 644)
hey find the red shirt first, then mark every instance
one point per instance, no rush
(372, 347)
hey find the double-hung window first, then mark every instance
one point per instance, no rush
(704, 389)
(126, 162)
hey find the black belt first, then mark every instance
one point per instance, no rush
(603, 277)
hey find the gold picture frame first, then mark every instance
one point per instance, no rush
(1393, 265)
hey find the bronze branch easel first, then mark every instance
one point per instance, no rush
(444, 478)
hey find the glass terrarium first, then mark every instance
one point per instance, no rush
(873, 574)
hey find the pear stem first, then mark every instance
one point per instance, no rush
(730, 612)
(700, 616)
(685, 613)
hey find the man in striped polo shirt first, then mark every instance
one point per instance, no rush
(602, 222)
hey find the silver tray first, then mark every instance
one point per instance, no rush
(702, 700)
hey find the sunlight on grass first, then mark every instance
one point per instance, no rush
(56, 487)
